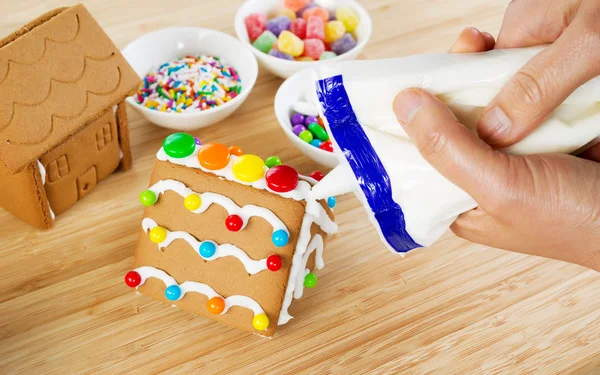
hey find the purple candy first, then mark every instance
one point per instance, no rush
(298, 119)
(310, 119)
(308, 6)
(278, 24)
(343, 45)
(332, 16)
(198, 141)
(298, 129)
(280, 55)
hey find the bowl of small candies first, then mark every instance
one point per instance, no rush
(191, 77)
(286, 35)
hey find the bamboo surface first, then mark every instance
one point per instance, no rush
(455, 308)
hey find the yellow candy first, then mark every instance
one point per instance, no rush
(158, 234)
(289, 43)
(248, 168)
(289, 13)
(192, 202)
(348, 17)
(260, 322)
(334, 30)
(304, 58)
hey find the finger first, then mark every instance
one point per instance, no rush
(469, 40)
(539, 87)
(448, 145)
(489, 41)
(479, 227)
(592, 153)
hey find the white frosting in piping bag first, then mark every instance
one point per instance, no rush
(147, 272)
(43, 175)
(208, 198)
(252, 266)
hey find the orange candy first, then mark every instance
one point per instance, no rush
(235, 150)
(215, 305)
(213, 156)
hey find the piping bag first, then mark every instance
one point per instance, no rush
(408, 202)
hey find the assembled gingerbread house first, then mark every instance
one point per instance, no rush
(63, 122)
(226, 236)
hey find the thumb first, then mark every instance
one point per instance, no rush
(451, 148)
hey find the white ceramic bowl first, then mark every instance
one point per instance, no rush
(286, 68)
(154, 49)
(292, 90)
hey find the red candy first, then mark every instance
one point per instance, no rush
(315, 28)
(320, 13)
(282, 178)
(133, 279)
(314, 48)
(234, 223)
(317, 175)
(298, 27)
(326, 146)
(274, 263)
(256, 23)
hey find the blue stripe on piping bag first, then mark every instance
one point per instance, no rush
(368, 169)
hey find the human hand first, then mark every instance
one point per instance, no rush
(545, 205)
(547, 79)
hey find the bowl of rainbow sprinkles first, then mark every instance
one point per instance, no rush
(191, 77)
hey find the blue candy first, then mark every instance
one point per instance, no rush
(316, 142)
(280, 238)
(331, 202)
(207, 249)
(173, 292)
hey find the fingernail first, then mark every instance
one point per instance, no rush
(494, 125)
(407, 105)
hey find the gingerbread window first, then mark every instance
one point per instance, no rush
(57, 169)
(103, 137)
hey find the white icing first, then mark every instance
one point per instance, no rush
(308, 179)
(302, 192)
(252, 266)
(209, 198)
(316, 244)
(147, 272)
(43, 175)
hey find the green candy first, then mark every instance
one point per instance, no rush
(147, 198)
(327, 55)
(179, 145)
(306, 136)
(318, 131)
(310, 280)
(272, 161)
(265, 41)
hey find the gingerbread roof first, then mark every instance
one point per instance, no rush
(56, 74)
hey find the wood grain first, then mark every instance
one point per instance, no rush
(456, 308)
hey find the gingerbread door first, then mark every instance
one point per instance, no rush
(75, 167)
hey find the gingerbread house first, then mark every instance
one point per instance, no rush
(63, 121)
(228, 236)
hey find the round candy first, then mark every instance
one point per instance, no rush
(173, 292)
(331, 202)
(133, 279)
(297, 129)
(213, 156)
(326, 146)
(179, 145)
(192, 202)
(317, 175)
(274, 263)
(315, 143)
(306, 136)
(248, 168)
(260, 322)
(297, 119)
(147, 198)
(207, 249)
(310, 119)
(272, 161)
(234, 223)
(310, 280)
(280, 238)
(282, 178)
(215, 305)
(318, 132)
(198, 142)
(235, 150)
(158, 234)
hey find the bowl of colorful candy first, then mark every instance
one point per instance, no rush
(297, 113)
(287, 34)
(192, 77)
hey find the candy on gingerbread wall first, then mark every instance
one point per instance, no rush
(68, 129)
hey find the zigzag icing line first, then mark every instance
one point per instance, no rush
(224, 250)
(209, 198)
(147, 272)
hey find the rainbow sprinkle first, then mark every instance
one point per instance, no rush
(189, 84)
